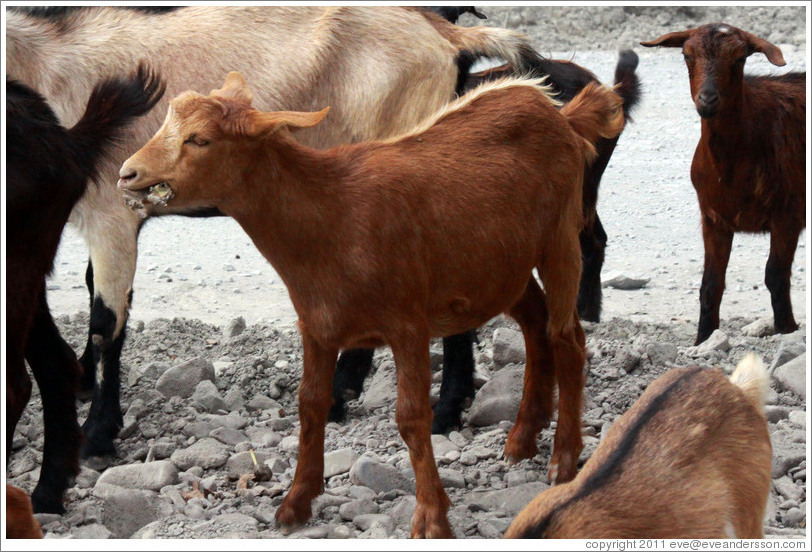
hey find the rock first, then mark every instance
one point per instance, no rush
(365, 522)
(661, 354)
(235, 327)
(488, 531)
(786, 488)
(793, 517)
(151, 371)
(151, 476)
(792, 376)
(339, 461)
(791, 346)
(127, 510)
(181, 380)
(290, 444)
(263, 436)
(198, 429)
(339, 532)
(92, 531)
(789, 450)
(451, 478)
(382, 389)
(228, 436)
(441, 445)
(261, 402)
(508, 347)
(798, 418)
(241, 463)
(232, 420)
(499, 398)
(760, 328)
(233, 399)
(627, 359)
(775, 413)
(402, 512)
(510, 500)
(516, 478)
(86, 477)
(208, 397)
(718, 341)
(378, 476)
(358, 491)
(350, 510)
(207, 453)
(229, 526)
(618, 280)
(458, 439)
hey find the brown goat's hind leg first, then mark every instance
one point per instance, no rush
(568, 351)
(718, 242)
(536, 409)
(314, 403)
(413, 414)
(783, 242)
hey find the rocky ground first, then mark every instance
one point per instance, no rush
(212, 361)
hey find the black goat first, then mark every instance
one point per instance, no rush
(47, 171)
(567, 79)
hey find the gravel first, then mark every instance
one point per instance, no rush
(185, 469)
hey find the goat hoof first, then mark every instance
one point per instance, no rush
(93, 449)
(46, 503)
(427, 526)
(520, 447)
(337, 413)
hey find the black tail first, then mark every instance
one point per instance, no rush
(626, 81)
(113, 104)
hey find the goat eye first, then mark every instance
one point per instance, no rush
(741, 60)
(688, 59)
(196, 140)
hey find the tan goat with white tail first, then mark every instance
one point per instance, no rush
(691, 459)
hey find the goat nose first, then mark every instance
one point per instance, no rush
(127, 175)
(708, 97)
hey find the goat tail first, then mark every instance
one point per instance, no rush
(597, 111)
(627, 83)
(751, 377)
(112, 105)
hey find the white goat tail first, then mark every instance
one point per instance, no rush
(751, 377)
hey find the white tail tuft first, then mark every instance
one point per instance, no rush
(751, 377)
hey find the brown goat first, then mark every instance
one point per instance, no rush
(398, 241)
(20, 521)
(749, 166)
(691, 459)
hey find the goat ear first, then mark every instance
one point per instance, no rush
(235, 87)
(670, 40)
(266, 123)
(772, 51)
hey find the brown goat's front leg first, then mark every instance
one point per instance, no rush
(718, 241)
(314, 403)
(414, 416)
(536, 408)
(783, 242)
(570, 357)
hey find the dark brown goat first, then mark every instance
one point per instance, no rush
(749, 166)
(47, 171)
(406, 239)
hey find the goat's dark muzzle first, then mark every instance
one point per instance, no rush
(707, 103)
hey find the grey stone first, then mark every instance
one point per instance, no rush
(775, 413)
(339, 461)
(228, 436)
(627, 360)
(232, 420)
(149, 372)
(458, 439)
(718, 341)
(230, 526)
(263, 436)
(510, 500)
(150, 476)
(358, 491)
(381, 390)
(207, 453)
(86, 477)
(508, 347)
(261, 402)
(233, 399)
(365, 522)
(499, 398)
(290, 444)
(451, 478)
(378, 476)
(319, 532)
(793, 517)
(661, 354)
(350, 510)
(441, 445)
(515, 478)
(92, 531)
(786, 488)
(402, 512)
(181, 380)
(126, 510)
(760, 328)
(789, 450)
(208, 397)
(241, 463)
(618, 280)
(198, 429)
(339, 532)
(791, 346)
(487, 530)
(791, 376)
(235, 327)
(798, 418)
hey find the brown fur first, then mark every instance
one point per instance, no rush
(396, 242)
(749, 166)
(698, 468)
(20, 521)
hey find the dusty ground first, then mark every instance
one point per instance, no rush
(196, 276)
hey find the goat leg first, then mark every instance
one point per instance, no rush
(314, 403)
(352, 368)
(458, 381)
(717, 240)
(783, 241)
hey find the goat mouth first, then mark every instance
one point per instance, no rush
(157, 194)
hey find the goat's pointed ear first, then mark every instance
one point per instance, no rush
(770, 50)
(265, 123)
(235, 87)
(670, 40)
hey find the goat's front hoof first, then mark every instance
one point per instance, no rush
(46, 502)
(430, 525)
(520, 445)
(445, 419)
(338, 412)
(291, 516)
(786, 327)
(98, 449)
(562, 469)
